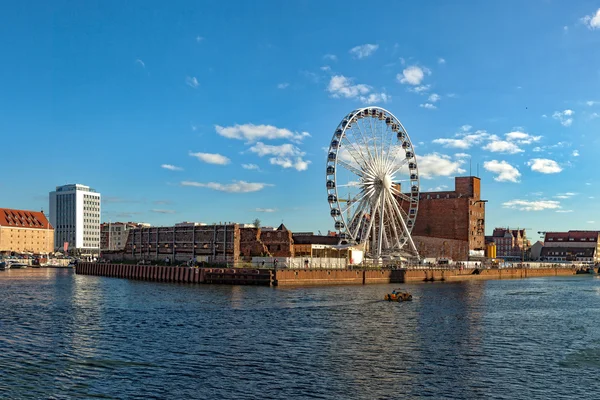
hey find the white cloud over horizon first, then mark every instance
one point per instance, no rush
(171, 167)
(364, 50)
(592, 21)
(505, 172)
(544, 166)
(436, 164)
(211, 158)
(235, 187)
(252, 133)
(343, 87)
(413, 75)
(532, 205)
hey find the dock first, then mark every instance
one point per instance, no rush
(303, 277)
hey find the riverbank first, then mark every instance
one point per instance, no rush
(303, 277)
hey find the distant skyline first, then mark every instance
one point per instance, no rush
(215, 112)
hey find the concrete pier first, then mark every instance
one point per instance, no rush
(299, 277)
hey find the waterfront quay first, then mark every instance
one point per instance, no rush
(299, 277)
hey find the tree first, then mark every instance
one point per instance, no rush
(256, 223)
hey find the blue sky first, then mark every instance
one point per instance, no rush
(221, 111)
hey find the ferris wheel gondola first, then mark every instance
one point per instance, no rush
(370, 157)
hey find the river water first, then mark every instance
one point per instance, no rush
(69, 336)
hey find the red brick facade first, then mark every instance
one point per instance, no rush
(456, 215)
(255, 242)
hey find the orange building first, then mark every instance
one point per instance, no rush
(25, 232)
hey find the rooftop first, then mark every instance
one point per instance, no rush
(23, 219)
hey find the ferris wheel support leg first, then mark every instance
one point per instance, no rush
(410, 240)
(381, 216)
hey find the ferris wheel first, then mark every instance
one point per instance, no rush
(373, 183)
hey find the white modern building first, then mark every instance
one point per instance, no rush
(75, 215)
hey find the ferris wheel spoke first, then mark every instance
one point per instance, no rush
(365, 143)
(356, 156)
(350, 140)
(350, 168)
(356, 200)
(359, 213)
(393, 223)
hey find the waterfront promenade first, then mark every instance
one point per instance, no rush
(291, 277)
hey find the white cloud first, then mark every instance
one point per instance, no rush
(421, 89)
(564, 117)
(266, 210)
(592, 21)
(286, 149)
(564, 211)
(413, 75)
(250, 166)
(535, 205)
(331, 57)
(252, 133)
(522, 137)
(375, 98)
(505, 171)
(211, 158)
(575, 153)
(502, 146)
(434, 97)
(428, 106)
(594, 115)
(199, 39)
(325, 68)
(192, 81)
(441, 61)
(544, 166)
(235, 187)
(286, 162)
(465, 140)
(592, 102)
(462, 155)
(285, 155)
(436, 164)
(171, 167)
(591, 222)
(159, 211)
(566, 195)
(340, 86)
(364, 50)
(465, 128)
(283, 85)
(141, 63)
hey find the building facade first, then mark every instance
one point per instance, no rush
(113, 236)
(455, 217)
(209, 243)
(511, 244)
(25, 232)
(75, 215)
(571, 246)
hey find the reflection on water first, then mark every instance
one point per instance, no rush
(69, 336)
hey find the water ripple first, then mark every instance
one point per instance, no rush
(64, 336)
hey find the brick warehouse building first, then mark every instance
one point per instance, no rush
(451, 223)
(25, 232)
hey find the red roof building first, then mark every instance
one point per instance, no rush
(23, 231)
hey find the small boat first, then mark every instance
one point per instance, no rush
(18, 265)
(398, 295)
(4, 266)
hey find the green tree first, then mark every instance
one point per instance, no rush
(256, 223)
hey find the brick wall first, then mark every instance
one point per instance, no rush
(255, 242)
(431, 247)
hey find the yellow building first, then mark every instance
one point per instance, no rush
(25, 232)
